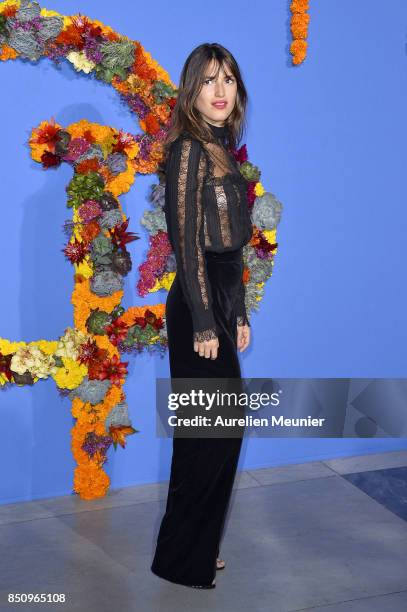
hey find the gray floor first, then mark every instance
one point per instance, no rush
(314, 536)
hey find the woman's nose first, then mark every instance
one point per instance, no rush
(220, 90)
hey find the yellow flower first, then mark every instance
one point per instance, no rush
(165, 282)
(259, 189)
(85, 267)
(101, 132)
(70, 375)
(8, 4)
(80, 61)
(270, 236)
(132, 150)
(47, 13)
(7, 347)
(106, 142)
(47, 346)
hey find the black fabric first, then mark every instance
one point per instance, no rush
(202, 469)
(204, 213)
(208, 224)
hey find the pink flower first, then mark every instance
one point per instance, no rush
(90, 209)
(76, 148)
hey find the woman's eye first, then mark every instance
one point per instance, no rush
(208, 81)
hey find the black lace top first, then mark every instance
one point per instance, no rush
(206, 210)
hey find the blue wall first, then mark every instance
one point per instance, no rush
(329, 137)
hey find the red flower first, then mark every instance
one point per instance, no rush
(88, 351)
(123, 139)
(251, 193)
(96, 364)
(152, 318)
(113, 369)
(76, 251)
(50, 159)
(48, 134)
(120, 237)
(90, 230)
(71, 37)
(116, 331)
(94, 30)
(87, 165)
(262, 246)
(151, 123)
(5, 361)
(87, 135)
(241, 154)
(74, 35)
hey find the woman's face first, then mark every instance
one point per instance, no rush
(216, 90)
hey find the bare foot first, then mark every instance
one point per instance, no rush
(220, 564)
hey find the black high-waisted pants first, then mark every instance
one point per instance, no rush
(202, 469)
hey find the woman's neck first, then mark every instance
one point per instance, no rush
(219, 131)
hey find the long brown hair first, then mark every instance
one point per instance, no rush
(185, 117)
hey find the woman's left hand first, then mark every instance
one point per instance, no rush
(243, 337)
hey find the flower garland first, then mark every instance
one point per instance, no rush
(85, 362)
(299, 29)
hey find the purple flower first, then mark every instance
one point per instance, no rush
(76, 148)
(90, 209)
(94, 443)
(92, 51)
(145, 147)
(137, 105)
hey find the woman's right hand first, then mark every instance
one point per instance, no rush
(207, 348)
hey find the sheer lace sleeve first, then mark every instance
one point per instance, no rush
(185, 171)
(242, 318)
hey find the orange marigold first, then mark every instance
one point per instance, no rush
(298, 49)
(299, 6)
(134, 312)
(70, 36)
(88, 165)
(150, 124)
(299, 25)
(7, 53)
(141, 65)
(10, 11)
(90, 230)
(90, 481)
(83, 295)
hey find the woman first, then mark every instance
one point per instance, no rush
(208, 224)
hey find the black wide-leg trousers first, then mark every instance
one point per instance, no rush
(202, 469)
